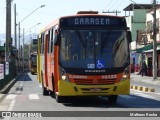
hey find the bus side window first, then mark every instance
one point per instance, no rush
(56, 37)
(42, 40)
(52, 40)
(49, 42)
(41, 44)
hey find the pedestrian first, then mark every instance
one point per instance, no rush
(144, 69)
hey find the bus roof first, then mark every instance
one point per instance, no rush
(42, 30)
(55, 22)
(91, 13)
(80, 13)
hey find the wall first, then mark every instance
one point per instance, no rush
(11, 76)
(149, 17)
(136, 22)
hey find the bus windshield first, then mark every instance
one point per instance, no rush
(94, 49)
(33, 60)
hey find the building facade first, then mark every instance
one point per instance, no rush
(136, 21)
(149, 35)
(141, 26)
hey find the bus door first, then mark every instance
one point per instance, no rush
(46, 61)
(38, 60)
(49, 55)
(52, 58)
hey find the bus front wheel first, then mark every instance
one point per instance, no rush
(58, 98)
(52, 92)
(112, 99)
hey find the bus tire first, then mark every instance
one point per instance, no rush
(112, 99)
(58, 98)
(52, 93)
(32, 73)
(45, 92)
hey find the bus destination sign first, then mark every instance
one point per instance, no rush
(92, 21)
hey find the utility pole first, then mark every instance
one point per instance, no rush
(112, 12)
(15, 25)
(8, 31)
(19, 44)
(154, 42)
(23, 51)
(20, 50)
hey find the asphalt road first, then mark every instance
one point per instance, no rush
(26, 95)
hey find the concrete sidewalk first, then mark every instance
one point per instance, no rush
(145, 83)
(145, 79)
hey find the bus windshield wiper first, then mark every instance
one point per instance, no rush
(81, 39)
(106, 39)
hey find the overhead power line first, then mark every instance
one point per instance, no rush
(112, 12)
(118, 4)
(137, 4)
(110, 5)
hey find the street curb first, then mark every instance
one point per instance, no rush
(7, 87)
(142, 88)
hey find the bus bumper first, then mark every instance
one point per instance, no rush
(71, 89)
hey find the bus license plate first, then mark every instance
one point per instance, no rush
(95, 89)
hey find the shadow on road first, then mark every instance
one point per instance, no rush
(135, 101)
(86, 102)
(124, 101)
(24, 77)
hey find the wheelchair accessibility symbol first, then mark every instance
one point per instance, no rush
(100, 64)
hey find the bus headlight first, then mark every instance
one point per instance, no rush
(126, 74)
(63, 75)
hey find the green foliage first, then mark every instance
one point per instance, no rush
(29, 48)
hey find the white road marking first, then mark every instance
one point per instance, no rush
(11, 105)
(11, 96)
(21, 84)
(20, 87)
(40, 86)
(1, 95)
(33, 96)
(128, 97)
(18, 92)
(158, 93)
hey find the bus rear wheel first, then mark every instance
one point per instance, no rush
(44, 90)
(112, 99)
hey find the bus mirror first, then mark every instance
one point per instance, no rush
(129, 35)
(56, 38)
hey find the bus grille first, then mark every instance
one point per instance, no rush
(94, 81)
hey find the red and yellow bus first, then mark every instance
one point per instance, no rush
(86, 54)
(33, 63)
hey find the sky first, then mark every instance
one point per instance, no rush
(54, 9)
